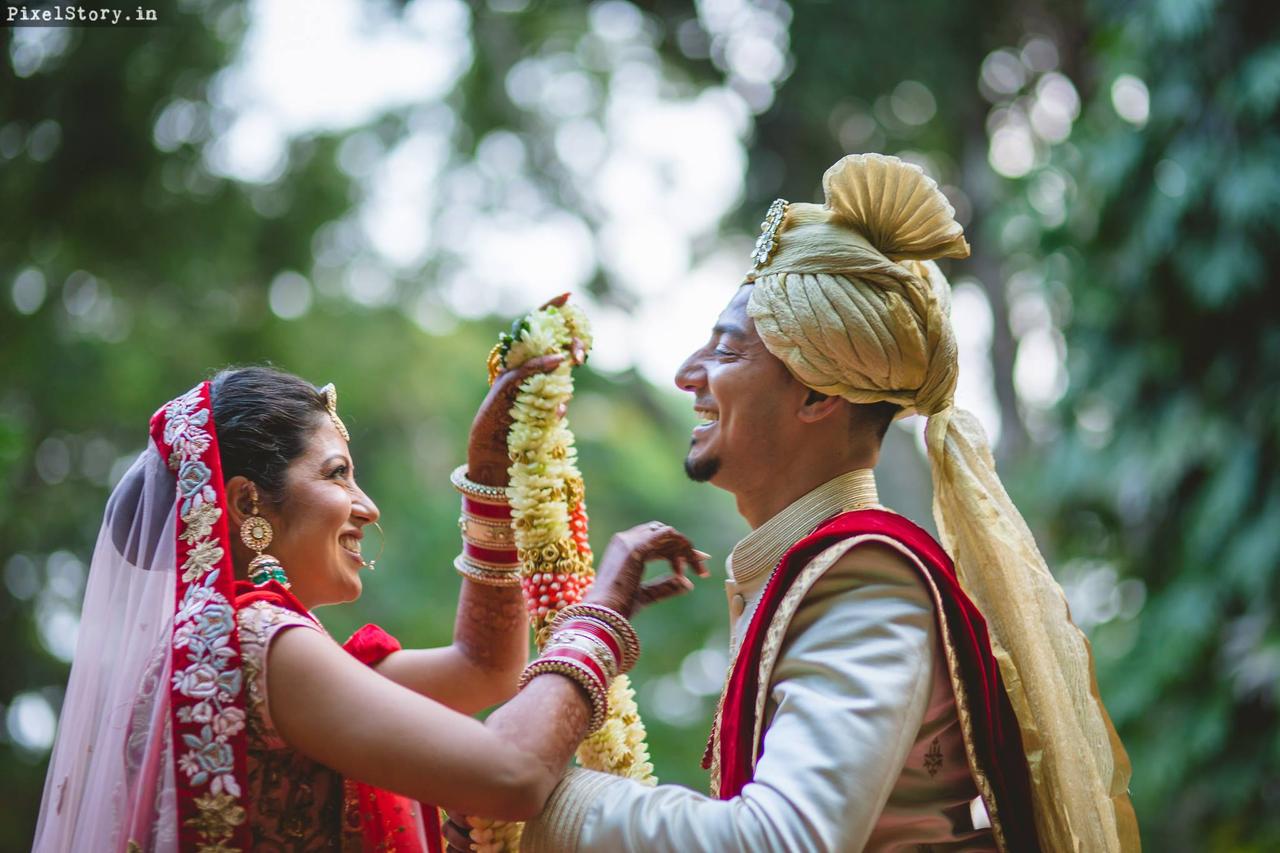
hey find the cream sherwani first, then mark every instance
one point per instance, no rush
(862, 747)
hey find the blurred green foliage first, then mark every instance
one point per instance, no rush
(127, 272)
(1164, 463)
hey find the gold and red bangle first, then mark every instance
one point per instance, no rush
(600, 650)
(500, 558)
(489, 532)
(612, 619)
(487, 524)
(581, 669)
(496, 511)
(600, 633)
(489, 554)
(572, 653)
(479, 492)
(487, 574)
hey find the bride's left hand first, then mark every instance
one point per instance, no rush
(487, 459)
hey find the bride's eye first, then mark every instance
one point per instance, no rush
(340, 472)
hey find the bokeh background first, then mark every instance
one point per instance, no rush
(366, 192)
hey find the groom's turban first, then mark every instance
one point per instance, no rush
(850, 299)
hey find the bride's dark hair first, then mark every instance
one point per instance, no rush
(263, 418)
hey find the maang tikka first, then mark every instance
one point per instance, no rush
(256, 534)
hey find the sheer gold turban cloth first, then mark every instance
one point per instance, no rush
(850, 300)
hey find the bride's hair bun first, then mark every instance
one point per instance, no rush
(896, 206)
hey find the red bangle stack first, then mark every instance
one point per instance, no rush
(590, 644)
(488, 543)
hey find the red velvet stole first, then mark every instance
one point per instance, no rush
(385, 820)
(994, 728)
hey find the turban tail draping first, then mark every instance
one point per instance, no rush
(851, 301)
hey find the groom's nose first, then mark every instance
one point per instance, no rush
(691, 376)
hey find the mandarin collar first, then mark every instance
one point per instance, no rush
(754, 558)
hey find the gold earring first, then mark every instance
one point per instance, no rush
(372, 564)
(256, 534)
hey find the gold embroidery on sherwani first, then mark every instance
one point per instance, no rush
(933, 758)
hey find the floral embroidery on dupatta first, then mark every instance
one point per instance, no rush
(206, 695)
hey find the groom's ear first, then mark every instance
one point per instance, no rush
(818, 406)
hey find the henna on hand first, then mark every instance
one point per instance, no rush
(618, 582)
(491, 628)
(487, 459)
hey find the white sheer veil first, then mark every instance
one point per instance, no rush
(111, 774)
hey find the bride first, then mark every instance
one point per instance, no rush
(208, 710)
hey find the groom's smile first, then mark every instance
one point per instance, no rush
(741, 396)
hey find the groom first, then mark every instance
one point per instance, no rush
(864, 708)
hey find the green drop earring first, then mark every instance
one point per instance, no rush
(256, 534)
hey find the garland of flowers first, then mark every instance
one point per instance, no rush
(548, 509)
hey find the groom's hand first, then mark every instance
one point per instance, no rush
(618, 584)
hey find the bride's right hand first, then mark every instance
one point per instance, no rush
(618, 579)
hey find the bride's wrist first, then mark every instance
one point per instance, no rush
(489, 556)
(488, 470)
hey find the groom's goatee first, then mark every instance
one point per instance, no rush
(701, 471)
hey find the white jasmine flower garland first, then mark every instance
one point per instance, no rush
(550, 520)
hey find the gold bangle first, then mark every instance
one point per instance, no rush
(486, 532)
(478, 491)
(577, 672)
(484, 573)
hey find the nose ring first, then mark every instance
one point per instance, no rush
(372, 564)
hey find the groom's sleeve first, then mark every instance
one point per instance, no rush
(850, 691)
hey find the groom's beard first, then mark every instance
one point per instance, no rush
(701, 470)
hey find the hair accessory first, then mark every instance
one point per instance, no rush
(767, 242)
(373, 564)
(330, 394)
(477, 491)
(256, 533)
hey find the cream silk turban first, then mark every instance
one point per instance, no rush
(846, 294)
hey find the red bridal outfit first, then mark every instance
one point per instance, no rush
(165, 740)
